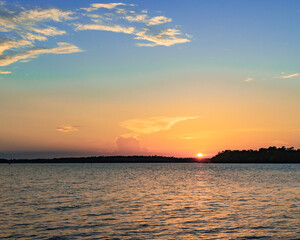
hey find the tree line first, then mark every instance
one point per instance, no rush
(263, 155)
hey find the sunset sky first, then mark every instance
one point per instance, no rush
(159, 77)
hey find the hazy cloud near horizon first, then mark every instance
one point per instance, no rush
(130, 143)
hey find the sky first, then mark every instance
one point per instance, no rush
(159, 77)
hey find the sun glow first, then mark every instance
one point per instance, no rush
(199, 155)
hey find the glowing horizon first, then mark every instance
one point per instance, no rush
(148, 78)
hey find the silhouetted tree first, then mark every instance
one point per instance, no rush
(263, 155)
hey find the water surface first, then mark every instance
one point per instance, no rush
(149, 201)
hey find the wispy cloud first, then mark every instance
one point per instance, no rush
(147, 20)
(23, 29)
(130, 144)
(7, 44)
(34, 37)
(38, 15)
(158, 20)
(154, 124)
(67, 128)
(137, 18)
(248, 79)
(96, 6)
(63, 48)
(5, 72)
(166, 38)
(114, 28)
(290, 76)
(50, 31)
(162, 36)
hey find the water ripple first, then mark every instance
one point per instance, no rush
(149, 201)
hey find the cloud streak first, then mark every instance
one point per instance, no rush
(290, 76)
(96, 6)
(62, 48)
(248, 79)
(114, 28)
(24, 29)
(67, 128)
(144, 18)
(5, 72)
(154, 124)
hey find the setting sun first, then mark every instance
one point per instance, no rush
(200, 155)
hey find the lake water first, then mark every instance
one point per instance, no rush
(149, 201)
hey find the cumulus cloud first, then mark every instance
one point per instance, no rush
(67, 128)
(290, 76)
(152, 125)
(128, 145)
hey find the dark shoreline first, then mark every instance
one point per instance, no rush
(105, 159)
(270, 155)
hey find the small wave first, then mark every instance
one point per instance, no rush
(58, 238)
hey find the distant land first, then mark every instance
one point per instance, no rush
(263, 155)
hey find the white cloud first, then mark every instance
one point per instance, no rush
(158, 20)
(50, 31)
(114, 28)
(63, 48)
(5, 72)
(24, 28)
(146, 19)
(7, 44)
(96, 6)
(137, 18)
(27, 26)
(164, 38)
(248, 79)
(28, 19)
(33, 37)
(38, 15)
(167, 37)
(290, 76)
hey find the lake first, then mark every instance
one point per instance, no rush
(150, 201)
